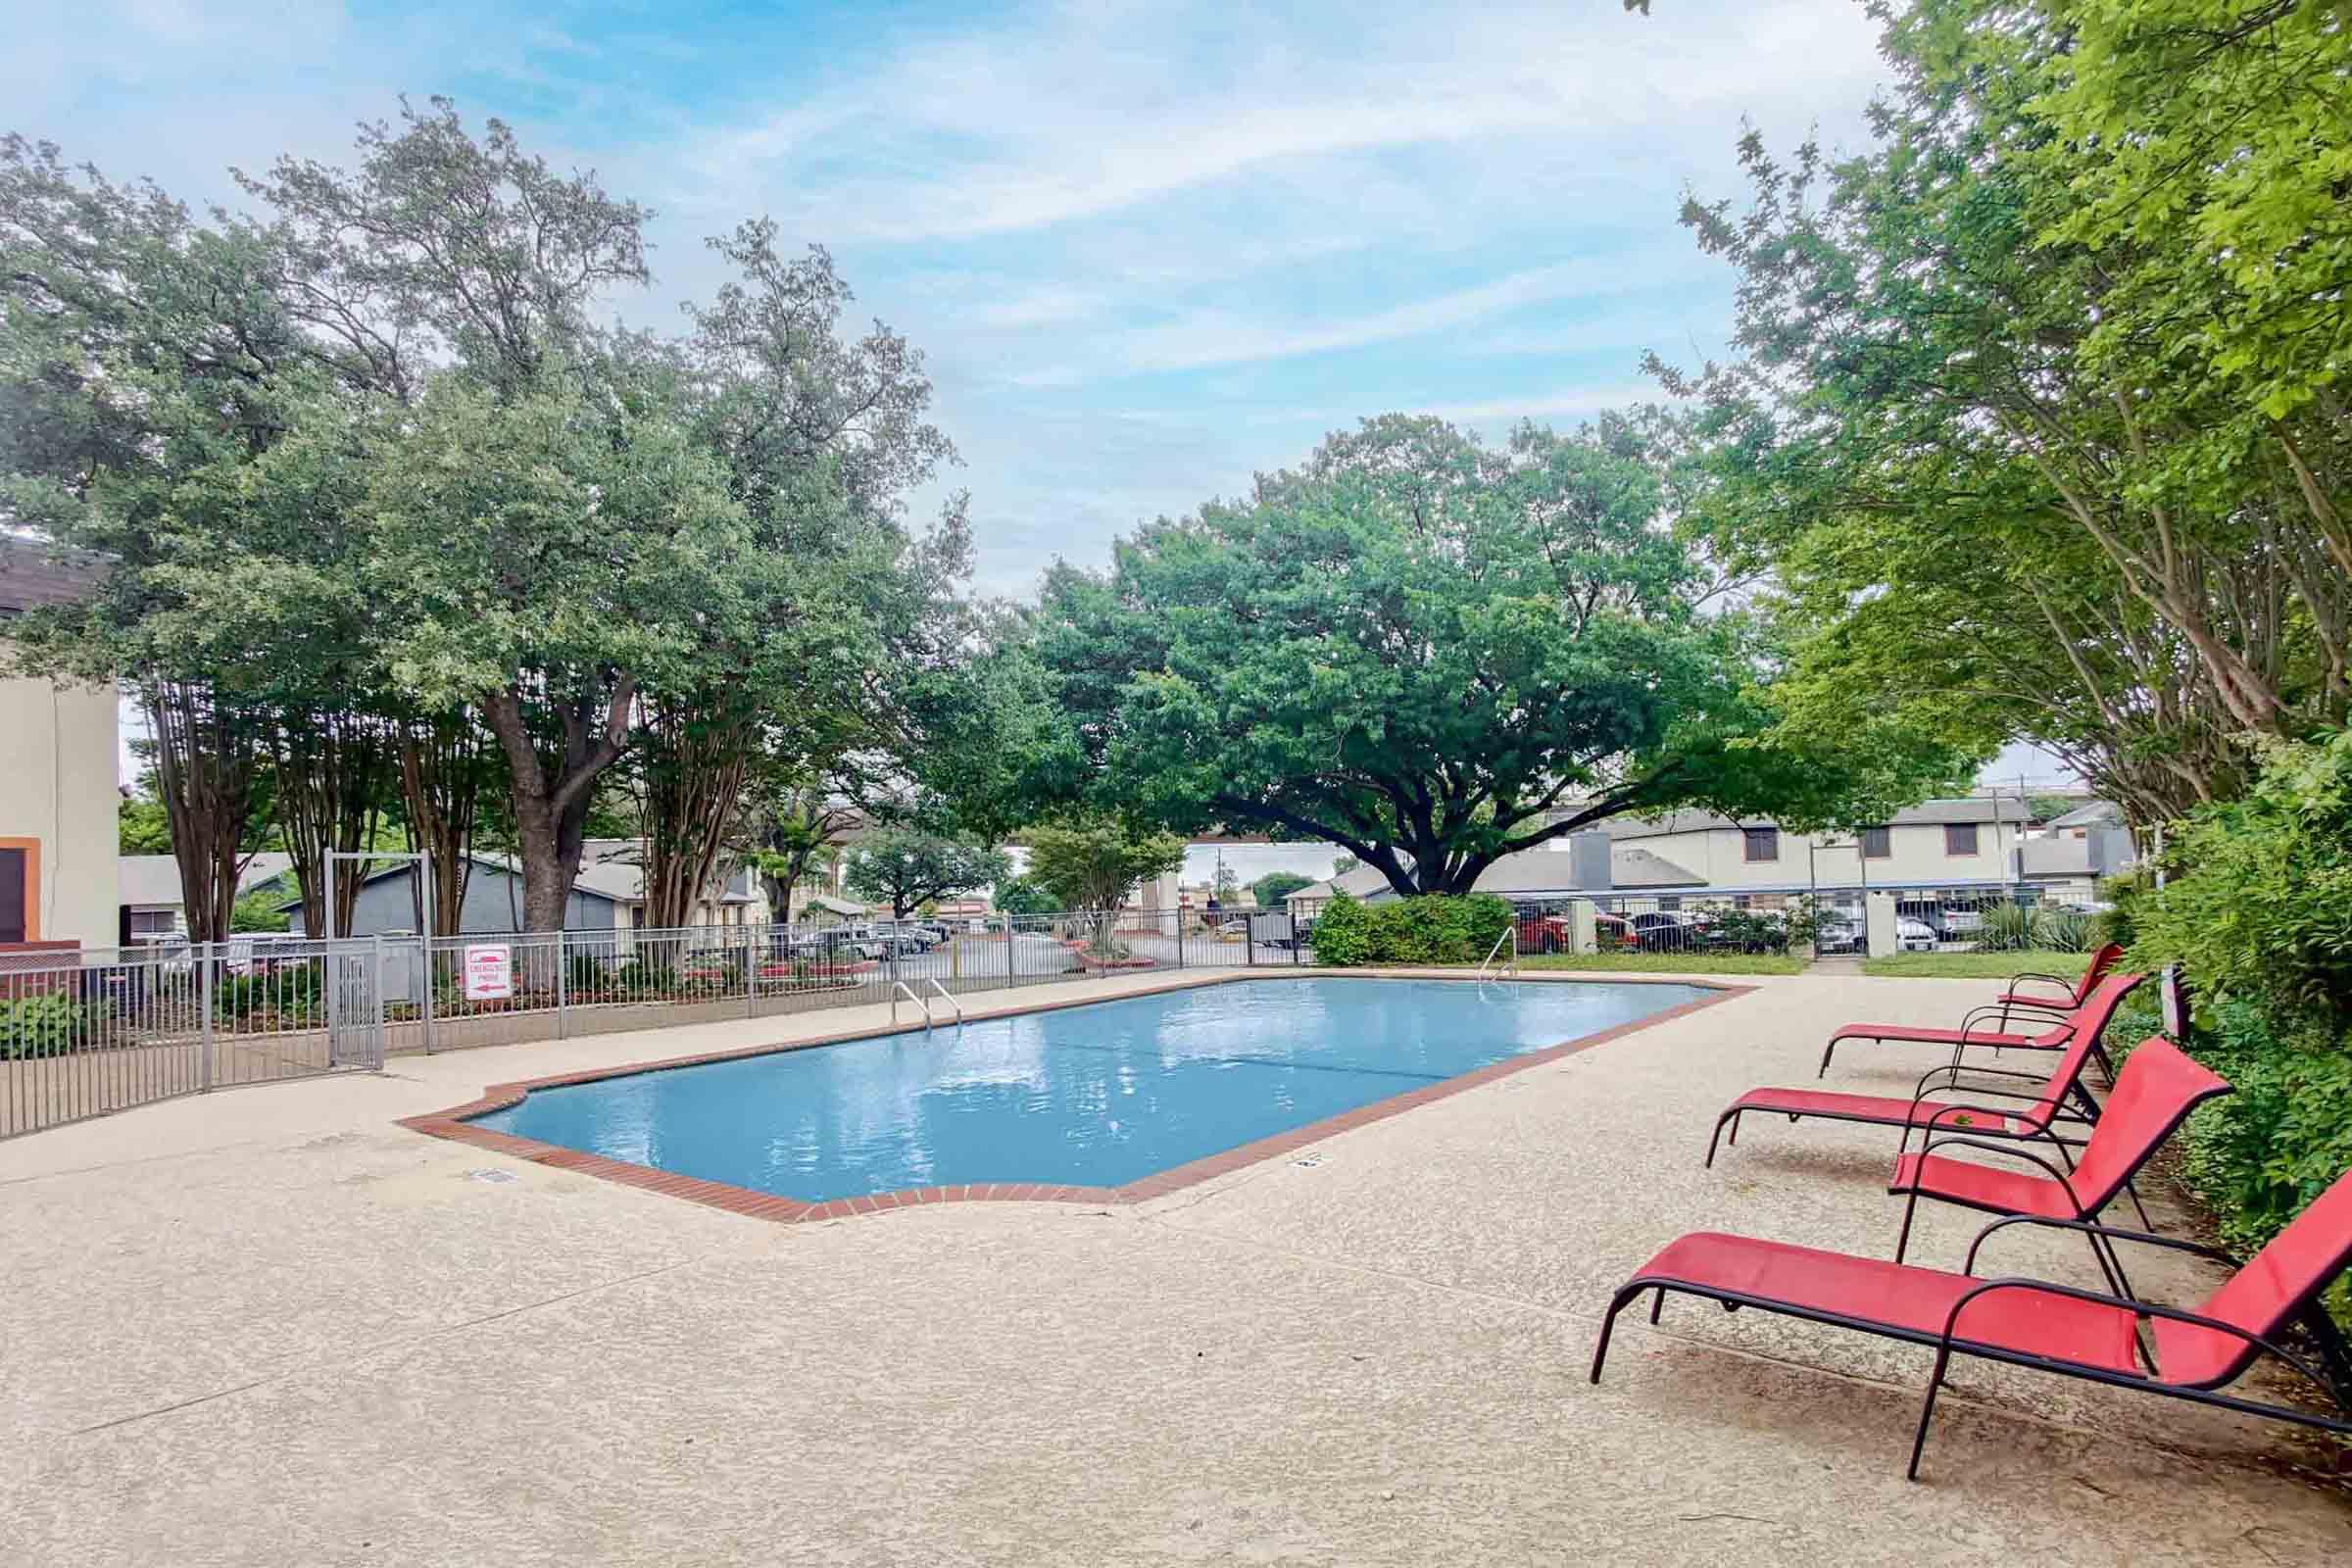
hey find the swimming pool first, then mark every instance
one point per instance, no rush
(1098, 1096)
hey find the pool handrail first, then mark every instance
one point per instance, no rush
(945, 996)
(1510, 933)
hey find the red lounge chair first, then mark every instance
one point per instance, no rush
(1977, 1029)
(2031, 1120)
(2055, 1328)
(2155, 1093)
(2016, 999)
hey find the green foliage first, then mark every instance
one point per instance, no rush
(645, 977)
(1433, 928)
(2004, 928)
(2254, 910)
(1992, 512)
(143, 827)
(2064, 930)
(2259, 908)
(45, 1024)
(259, 910)
(1023, 895)
(1093, 863)
(269, 997)
(1274, 886)
(1418, 647)
(904, 867)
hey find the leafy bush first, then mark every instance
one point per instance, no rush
(645, 977)
(2059, 930)
(2258, 912)
(2259, 908)
(48, 1024)
(1433, 928)
(288, 996)
(585, 974)
(2005, 928)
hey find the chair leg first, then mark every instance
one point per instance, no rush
(1927, 1410)
(1617, 1304)
(2145, 1223)
(1657, 1304)
(1902, 1241)
(1827, 1051)
(1733, 1117)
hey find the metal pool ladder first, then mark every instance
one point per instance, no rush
(1510, 933)
(901, 988)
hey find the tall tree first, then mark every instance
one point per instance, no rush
(1090, 864)
(140, 354)
(1428, 652)
(2013, 482)
(906, 867)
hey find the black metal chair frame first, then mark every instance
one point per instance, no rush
(2334, 1373)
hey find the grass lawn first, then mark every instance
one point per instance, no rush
(1672, 962)
(1975, 965)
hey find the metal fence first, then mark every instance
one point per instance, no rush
(99, 1031)
(82, 1034)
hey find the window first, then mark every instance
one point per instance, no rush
(1878, 843)
(1762, 843)
(148, 924)
(1959, 838)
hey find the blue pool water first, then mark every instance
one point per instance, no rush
(1096, 1095)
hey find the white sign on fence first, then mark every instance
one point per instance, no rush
(489, 972)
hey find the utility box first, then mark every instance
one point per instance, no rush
(1583, 927)
(1878, 926)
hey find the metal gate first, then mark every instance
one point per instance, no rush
(355, 1004)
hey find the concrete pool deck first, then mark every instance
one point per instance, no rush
(271, 1327)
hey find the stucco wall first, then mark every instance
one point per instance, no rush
(57, 788)
(1717, 856)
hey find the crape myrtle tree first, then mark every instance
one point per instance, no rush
(1091, 863)
(906, 867)
(1426, 650)
(2037, 413)
(141, 361)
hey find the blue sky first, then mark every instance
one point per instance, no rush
(1149, 249)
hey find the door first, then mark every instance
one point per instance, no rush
(16, 898)
(355, 1005)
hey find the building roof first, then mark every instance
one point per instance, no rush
(1633, 866)
(2091, 814)
(834, 905)
(1364, 879)
(599, 886)
(34, 572)
(152, 881)
(616, 869)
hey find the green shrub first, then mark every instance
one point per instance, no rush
(2058, 930)
(48, 1024)
(645, 977)
(284, 995)
(2005, 928)
(2257, 911)
(1433, 928)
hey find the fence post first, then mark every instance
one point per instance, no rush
(204, 992)
(1180, 936)
(751, 975)
(424, 944)
(563, 985)
(376, 974)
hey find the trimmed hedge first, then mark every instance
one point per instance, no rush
(1433, 928)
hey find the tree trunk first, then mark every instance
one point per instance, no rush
(551, 806)
(206, 757)
(441, 777)
(694, 776)
(332, 769)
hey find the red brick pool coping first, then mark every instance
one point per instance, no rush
(457, 1124)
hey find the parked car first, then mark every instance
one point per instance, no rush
(1914, 936)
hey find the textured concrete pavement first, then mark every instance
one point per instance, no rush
(269, 1327)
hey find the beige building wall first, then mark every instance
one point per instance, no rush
(58, 797)
(1718, 858)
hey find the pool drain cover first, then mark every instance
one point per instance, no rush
(489, 1175)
